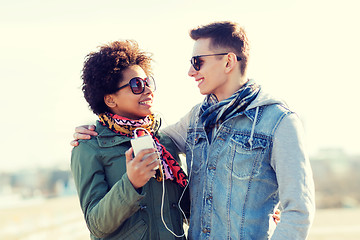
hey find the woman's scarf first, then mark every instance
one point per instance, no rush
(124, 126)
(213, 112)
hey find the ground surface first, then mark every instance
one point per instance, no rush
(61, 218)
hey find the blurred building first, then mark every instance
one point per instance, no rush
(337, 178)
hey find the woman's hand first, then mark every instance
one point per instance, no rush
(140, 170)
(83, 132)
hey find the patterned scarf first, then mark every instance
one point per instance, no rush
(213, 112)
(124, 126)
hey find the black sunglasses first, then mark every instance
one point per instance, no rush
(196, 63)
(137, 85)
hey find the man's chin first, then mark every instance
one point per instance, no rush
(204, 92)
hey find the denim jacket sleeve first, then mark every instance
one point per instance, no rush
(295, 180)
(104, 209)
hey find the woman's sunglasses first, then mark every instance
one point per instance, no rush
(137, 84)
(196, 62)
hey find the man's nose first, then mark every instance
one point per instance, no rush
(192, 71)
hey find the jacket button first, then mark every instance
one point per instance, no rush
(206, 230)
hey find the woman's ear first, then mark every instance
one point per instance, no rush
(109, 101)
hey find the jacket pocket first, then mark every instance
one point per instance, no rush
(136, 232)
(245, 158)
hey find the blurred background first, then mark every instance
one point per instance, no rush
(306, 52)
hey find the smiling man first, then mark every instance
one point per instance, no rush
(245, 150)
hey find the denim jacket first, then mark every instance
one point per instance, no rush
(255, 163)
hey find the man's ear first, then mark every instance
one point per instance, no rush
(230, 62)
(109, 101)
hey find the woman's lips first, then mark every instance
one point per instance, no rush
(147, 102)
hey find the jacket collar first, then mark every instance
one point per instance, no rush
(107, 138)
(254, 114)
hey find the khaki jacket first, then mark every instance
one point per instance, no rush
(112, 208)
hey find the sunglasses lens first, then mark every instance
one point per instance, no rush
(150, 83)
(137, 85)
(195, 62)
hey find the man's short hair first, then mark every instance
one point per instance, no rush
(228, 36)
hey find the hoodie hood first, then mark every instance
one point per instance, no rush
(264, 99)
(252, 111)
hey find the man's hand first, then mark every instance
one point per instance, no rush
(276, 216)
(83, 132)
(140, 170)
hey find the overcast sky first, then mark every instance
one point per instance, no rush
(306, 52)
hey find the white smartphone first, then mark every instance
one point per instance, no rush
(143, 142)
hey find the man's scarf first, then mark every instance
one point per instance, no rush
(213, 112)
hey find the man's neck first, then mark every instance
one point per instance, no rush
(233, 86)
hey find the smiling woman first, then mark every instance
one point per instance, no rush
(118, 192)
(136, 101)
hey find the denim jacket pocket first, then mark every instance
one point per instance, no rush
(195, 144)
(245, 157)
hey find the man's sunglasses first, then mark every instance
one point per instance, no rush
(137, 84)
(196, 63)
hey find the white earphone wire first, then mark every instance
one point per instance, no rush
(182, 194)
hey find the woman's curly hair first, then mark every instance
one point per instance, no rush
(102, 71)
